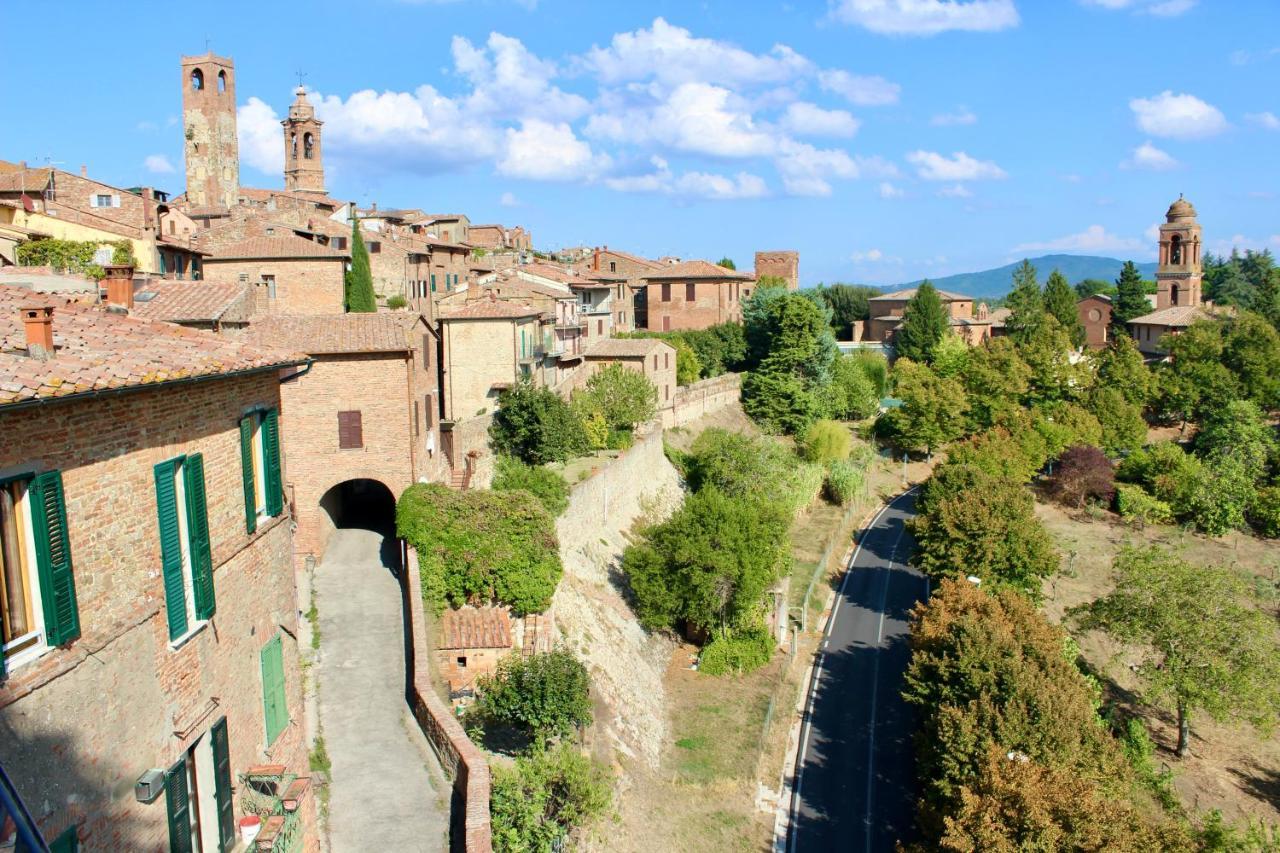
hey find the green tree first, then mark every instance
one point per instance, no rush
(1060, 301)
(1123, 429)
(996, 379)
(1251, 351)
(1055, 377)
(625, 397)
(950, 356)
(932, 411)
(544, 696)
(727, 263)
(825, 441)
(924, 324)
(743, 466)
(548, 486)
(1241, 430)
(1025, 303)
(688, 367)
(1093, 287)
(852, 394)
(359, 279)
(1120, 366)
(782, 391)
(848, 304)
(539, 800)
(537, 426)
(757, 322)
(1206, 649)
(1130, 300)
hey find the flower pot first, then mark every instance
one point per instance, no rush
(250, 826)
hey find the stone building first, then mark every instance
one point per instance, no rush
(487, 346)
(655, 358)
(150, 613)
(1178, 281)
(303, 155)
(449, 227)
(692, 295)
(886, 313)
(212, 150)
(779, 264)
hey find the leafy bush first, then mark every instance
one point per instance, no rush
(619, 439)
(537, 426)
(596, 429)
(932, 411)
(1084, 473)
(543, 696)
(1002, 454)
(1218, 498)
(737, 652)
(73, 255)
(825, 441)
(1135, 505)
(479, 546)
(624, 396)
(395, 302)
(779, 402)
(1123, 429)
(1264, 512)
(548, 486)
(852, 394)
(845, 481)
(756, 467)
(688, 369)
(1164, 469)
(536, 803)
(1066, 425)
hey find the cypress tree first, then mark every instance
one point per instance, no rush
(1026, 304)
(1131, 298)
(358, 282)
(924, 323)
(1060, 301)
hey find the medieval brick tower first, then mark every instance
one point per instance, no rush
(209, 129)
(1181, 269)
(303, 166)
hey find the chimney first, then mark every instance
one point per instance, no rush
(149, 211)
(595, 260)
(84, 170)
(119, 286)
(37, 322)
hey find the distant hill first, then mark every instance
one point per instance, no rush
(996, 282)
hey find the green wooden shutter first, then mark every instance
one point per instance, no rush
(271, 462)
(53, 560)
(198, 536)
(222, 785)
(275, 708)
(246, 472)
(433, 282)
(178, 805)
(175, 596)
(67, 842)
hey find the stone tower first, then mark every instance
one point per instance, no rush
(303, 165)
(1181, 269)
(209, 129)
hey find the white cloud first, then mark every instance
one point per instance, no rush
(696, 117)
(933, 166)
(962, 116)
(1159, 8)
(509, 200)
(888, 190)
(258, 132)
(1177, 116)
(806, 119)
(1095, 238)
(1267, 120)
(860, 90)
(543, 151)
(508, 80)
(926, 17)
(806, 170)
(158, 164)
(955, 191)
(876, 166)
(1152, 233)
(672, 55)
(691, 185)
(871, 255)
(1147, 156)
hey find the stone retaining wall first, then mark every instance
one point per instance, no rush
(702, 398)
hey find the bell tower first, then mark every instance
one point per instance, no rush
(1180, 271)
(303, 164)
(210, 147)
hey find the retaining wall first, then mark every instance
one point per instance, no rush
(702, 398)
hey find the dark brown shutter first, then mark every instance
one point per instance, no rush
(350, 431)
(690, 292)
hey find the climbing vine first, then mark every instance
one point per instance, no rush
(75, 256)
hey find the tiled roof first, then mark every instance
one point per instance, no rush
(189, 301)
(475, 628)
(254, 194)
(183, 244)
(625, 347)
(999, 316)
(698, 270)
(335, 333)
(96, 350)
(900, 295)
(29, 180)
(651, 264)
(279, 246)
(490, 309)
(1176, 316)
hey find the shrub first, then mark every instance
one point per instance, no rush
(596, 429)
(549, 487)
(756, 467)
(1164, 469)
(1123, 428)
(845, 481)
(624, 396)
(1219, 496)
(1136, 506)
(688, 369)
(737, 652)
(1066, 425)
(619, 439)
(825, 441)
(536, 425)
(395, 302)
(1264, 512)
(1002, 454)
(536, 803)
(779, 402)
(1083, 474)
(543, 696)
(479, 546)
(852, 393)
(875, 367)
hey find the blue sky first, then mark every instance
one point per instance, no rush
(886, 140)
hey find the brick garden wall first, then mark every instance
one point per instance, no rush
(703, 398)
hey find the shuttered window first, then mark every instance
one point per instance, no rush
(185, 555)
(222, 784)
(690, 292)
(275, 709)
(350, 431)
(666, 293)
(67, 842)
(177, 801)
(260, 466)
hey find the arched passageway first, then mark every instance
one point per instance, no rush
(364, 504)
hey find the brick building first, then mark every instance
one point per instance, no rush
(693, 295)
(303, 155)
(449, 227)
(1095, 315)
(1178, 281)
(299, 276)
(365, 415)
(218, 306)
(779, 264)
(886, 313)
(496, 238)
(149, 614)
(211, 148)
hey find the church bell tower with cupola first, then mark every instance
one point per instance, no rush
(303, 166)
(1181, 268)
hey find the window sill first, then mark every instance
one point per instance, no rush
(24, 657)
(179, 642)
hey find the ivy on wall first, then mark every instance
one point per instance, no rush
(75, 256)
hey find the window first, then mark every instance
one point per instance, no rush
(690, 292)
(308, 146)
(613, 266)
(340, 242)
(655, 361)
(274, 707)
(666, 392)
(37, 587)
(426, 352)
(350, 431)
(666, 293)
(417, 423)
(599, 327)
(222, 81)
(375, 247)
(197, 795)
(428, 408)
(197, 80)
(260, 466)
(101, 200)
(666, 323)
(666, 361)
(433, 282)
(185, 559)
(462, 662)
(270, 282)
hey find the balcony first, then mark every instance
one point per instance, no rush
(275, 795)
(531, 354)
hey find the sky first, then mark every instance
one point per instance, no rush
(885, 140)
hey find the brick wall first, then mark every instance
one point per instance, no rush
(784, 265)
(83, 722)
(703, 398)
(714, 302)
(303, 285)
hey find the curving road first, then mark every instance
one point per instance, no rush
(854, 785)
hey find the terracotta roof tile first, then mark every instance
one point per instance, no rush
(898, 295)
(475, 628)
(280, 246)
(1175, 316)
(191, 301)
(625, 347)
(335, 333)
(698, 270)
(97, 350)
(487, 309)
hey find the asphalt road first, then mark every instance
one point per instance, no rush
(854, 788)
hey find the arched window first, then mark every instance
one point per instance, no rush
(293, 146)
(1175, 250)
(1175, 290)
(222, 81)
(197, 80)
(308, 146)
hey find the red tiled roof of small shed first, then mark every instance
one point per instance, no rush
(475, 628)
(191, 301)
